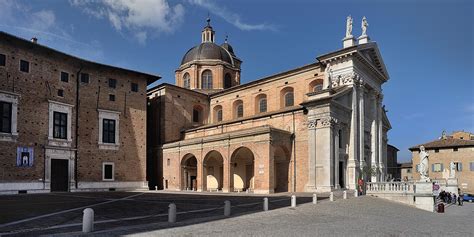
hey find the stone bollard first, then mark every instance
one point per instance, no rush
(293, 201)
(265, 204)
(172, 213)
(227, 208)
(88, 220)
(331, 197)
(344, 194)
(315, 198)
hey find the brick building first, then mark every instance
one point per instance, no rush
(313, 128)
(393, 171)
(458, 148)
(69, 124)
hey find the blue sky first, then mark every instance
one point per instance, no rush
(427, 46)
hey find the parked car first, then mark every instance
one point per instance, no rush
(468, 197)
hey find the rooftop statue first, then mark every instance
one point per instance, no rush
(349, 27)
(365, 24)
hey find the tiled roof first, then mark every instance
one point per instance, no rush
(444, 143)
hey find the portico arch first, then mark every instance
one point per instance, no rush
(188, 172)
(242, 169)
(213, 167)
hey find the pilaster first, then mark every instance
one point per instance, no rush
(325, 154)
(311, 184)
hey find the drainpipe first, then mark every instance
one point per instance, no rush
(293, 136)
(77, 126)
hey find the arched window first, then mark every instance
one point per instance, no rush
(289, 100)
(316, 85)
(227, 81)
(207, 80)
(186, 81)
(262, 105)
(287, 97)
(197, 114)
(217, 113)
(238, 109)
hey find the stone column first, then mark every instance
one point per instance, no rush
(311, 185)
(381, 157)
(361, 126)
(352, 164)
(325, 154)
(336, 157)
(374, 138)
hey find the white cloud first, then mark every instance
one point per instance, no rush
(232, 18)
(19, 19)
(140, 17)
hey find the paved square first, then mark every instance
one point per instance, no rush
(62, 212)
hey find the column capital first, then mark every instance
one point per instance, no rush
(312, 124)
(327, 122)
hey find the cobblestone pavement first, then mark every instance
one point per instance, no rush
(363, 216)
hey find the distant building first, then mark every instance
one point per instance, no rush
(458, 148)
(68, 124)
(406, 171)
(393, 172)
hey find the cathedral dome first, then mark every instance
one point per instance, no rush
(208, 51)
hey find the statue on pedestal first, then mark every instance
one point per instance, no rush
(328, 72)
(452, 170)
(349, 27)
(365, 24)
(423, 169)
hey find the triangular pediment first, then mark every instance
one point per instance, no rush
(370, 52)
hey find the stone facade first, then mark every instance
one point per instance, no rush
(57, 117)
(458, 148)
(310, 129)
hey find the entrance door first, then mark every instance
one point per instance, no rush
(341, 174)
(193, 183)
(59, 175)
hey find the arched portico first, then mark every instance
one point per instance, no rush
(242, 169)
(213, 168)
(188, 172)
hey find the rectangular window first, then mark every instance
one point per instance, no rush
(438, 167)
(108, 171)
(472, 166)
(168, 162)
(61, 93)
(112, 83)
(458, 166)
(195, 115)
(134, 87)
(64, 77)
(455, 149)
(108, 131)
(24, 66)
(59, 125)
(6, 117)
(3, 60)
(112, 97)
(84, 78)
(436, 150)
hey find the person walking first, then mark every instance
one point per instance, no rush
(454, 198)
